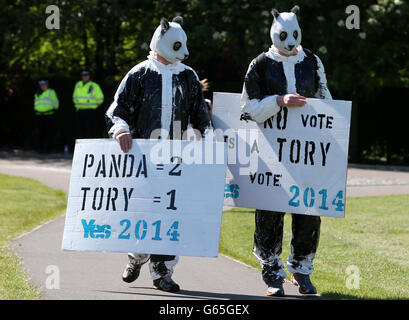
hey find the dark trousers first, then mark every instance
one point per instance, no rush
(268, 240)
(159, 266)
(161, 257)
(46, 132)
(87, 124)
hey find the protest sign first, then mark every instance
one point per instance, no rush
(294, 162)
(162, 197)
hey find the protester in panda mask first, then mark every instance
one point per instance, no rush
(284, 76)
(158, 94)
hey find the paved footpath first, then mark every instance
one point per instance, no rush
(98, 275)
(367, 180)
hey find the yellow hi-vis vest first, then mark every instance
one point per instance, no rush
(87, 96)
(46, 102)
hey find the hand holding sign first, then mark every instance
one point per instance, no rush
(125, 141)
(291, 100)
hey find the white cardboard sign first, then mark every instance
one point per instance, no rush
(299, 157)
(137, 202)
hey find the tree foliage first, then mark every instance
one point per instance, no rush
(111, 36)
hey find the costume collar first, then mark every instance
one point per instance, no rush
(275, 55)
(171, 67)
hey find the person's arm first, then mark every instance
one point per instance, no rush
(98, 94)
(199, 117)
(253, 105)
(54, 99)
(258, 108)
(118, 115)
(323, 91)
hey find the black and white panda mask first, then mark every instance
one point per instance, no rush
(285, 31)
(169, 40)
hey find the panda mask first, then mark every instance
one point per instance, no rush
(285, 31)
(169, 40)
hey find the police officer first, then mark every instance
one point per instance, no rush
(45, 105)
(87, 98)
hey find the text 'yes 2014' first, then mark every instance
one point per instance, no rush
(310, 198)
(140, 231)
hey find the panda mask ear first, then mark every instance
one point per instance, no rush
(275, 13)
(164, 24)
(295, 10)
(178, 19)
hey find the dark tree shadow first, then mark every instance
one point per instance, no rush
(340, 296)
(204, 295)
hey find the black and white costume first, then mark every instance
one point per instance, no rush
(153, 96)
(272, 74)
(269, 75)
(151, 99)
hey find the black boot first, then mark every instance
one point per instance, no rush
(304, 282)
(275, 287)
(131, 272)
(166, 284)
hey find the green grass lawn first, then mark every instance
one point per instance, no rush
(24, 204)
(374, 236)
